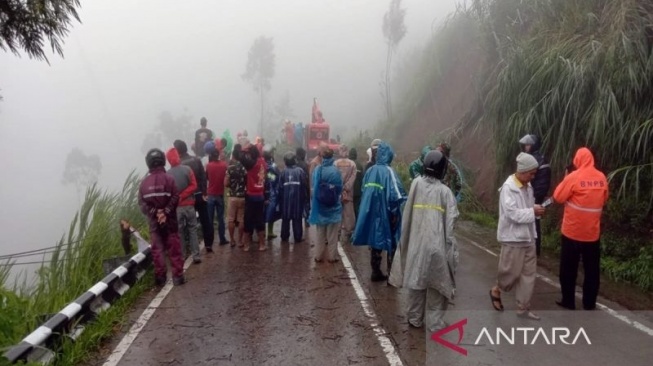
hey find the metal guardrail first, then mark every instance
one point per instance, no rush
(41, 345)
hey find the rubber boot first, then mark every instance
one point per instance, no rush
(375, 261)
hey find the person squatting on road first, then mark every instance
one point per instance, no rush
(379, 223)
(255, 198)
(293, 194)
(158, 199)
(416, 167)
(347, 170)
(186, 218)
(236, 180)
(516, 233)
(200, 195)
(326, 207)
(427, 256)
(541, 183)
(584, 192)
(272, 210)
(216, 170)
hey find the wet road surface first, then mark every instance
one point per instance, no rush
(279, 307)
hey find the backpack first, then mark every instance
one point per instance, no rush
(326, 194)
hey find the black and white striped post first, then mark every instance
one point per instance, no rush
(41, 345)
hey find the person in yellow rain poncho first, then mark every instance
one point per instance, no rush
(427, 256)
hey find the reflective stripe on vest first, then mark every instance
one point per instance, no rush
(429, 207)
(585, 209)
(291, 183)
(375, 185)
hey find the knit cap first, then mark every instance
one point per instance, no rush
(526, 162)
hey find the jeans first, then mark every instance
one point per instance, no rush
(216, 208)
(187, 221)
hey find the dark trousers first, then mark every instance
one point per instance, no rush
(375, 260)
(216, 209)
(254, 216)
(297, 229)
(571, 252)
(207, 226)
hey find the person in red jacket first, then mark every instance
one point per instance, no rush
(158, 199)
(584, 192)
(186, 186)
(256, 168)
(216, 170)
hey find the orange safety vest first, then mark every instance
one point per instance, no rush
(584, 192)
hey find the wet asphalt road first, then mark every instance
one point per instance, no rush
(280, 308)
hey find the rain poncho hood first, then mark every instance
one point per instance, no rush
(383, 195)
(427, 255)
(320, 214)
(172, 155)
(425, 150)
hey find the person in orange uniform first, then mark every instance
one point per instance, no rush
(584, 192)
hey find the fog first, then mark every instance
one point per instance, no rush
(131, 60)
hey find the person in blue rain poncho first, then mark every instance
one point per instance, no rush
(326, 207)
(379, 221)
(272, 210)
(292, 198)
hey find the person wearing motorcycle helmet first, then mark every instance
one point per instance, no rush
(158, 199)
(541, 184)
(427, 255)
(292, 196)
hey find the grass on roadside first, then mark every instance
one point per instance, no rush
(75, 265)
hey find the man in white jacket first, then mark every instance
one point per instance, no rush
(516, 233)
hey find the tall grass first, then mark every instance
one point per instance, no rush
(577, 73)
(74, 266)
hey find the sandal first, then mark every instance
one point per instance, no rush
(262, 249)
(496, 300)
(246, 248)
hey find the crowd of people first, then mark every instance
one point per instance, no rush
(368, 206)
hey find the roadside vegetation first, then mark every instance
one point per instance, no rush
(74, 265)
(574, 72)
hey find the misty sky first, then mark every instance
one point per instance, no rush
(130, 60)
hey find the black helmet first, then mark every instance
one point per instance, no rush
(155, 158)
(290, 159)
(435, 164)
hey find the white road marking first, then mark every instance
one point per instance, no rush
(138, 326)
(612, 312)
(385, 342)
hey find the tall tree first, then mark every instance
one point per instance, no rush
(394, 31)
(28, 25)
(81, 170)
(259, 70)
